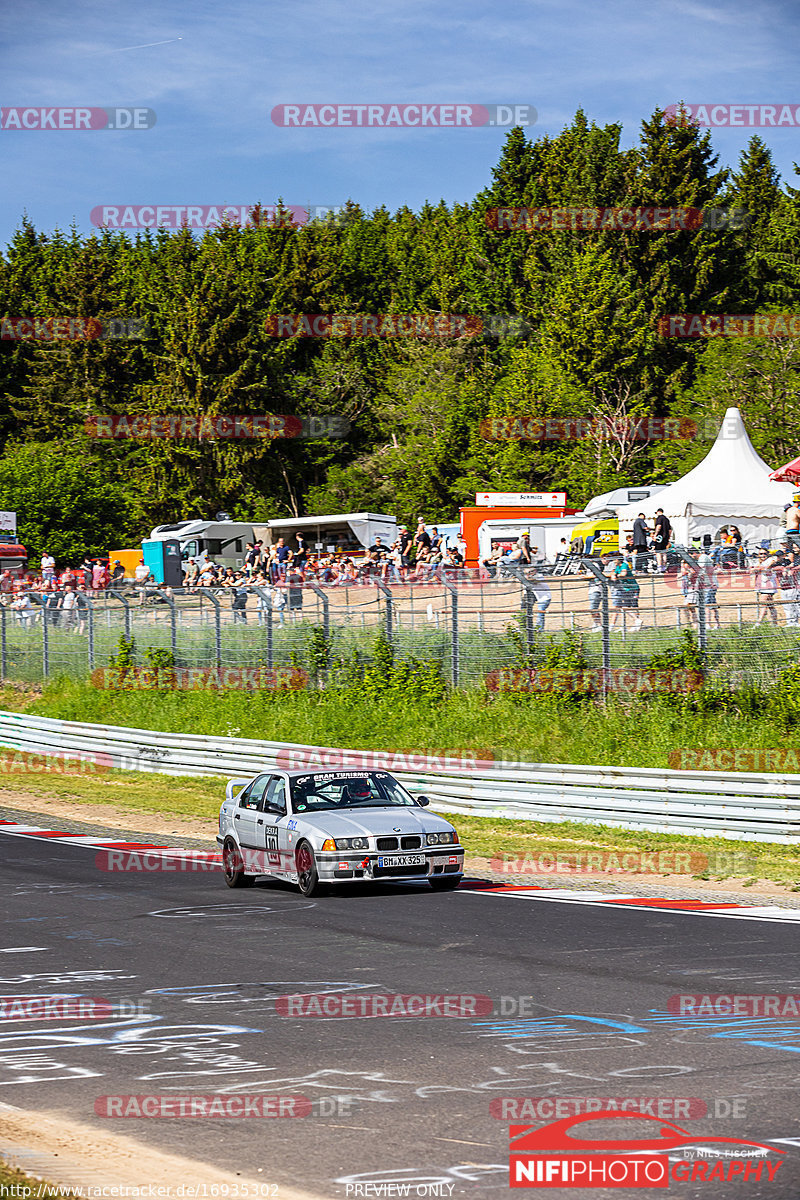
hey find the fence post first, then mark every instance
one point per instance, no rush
(45, 646)
(597, 570)
(3, 641)
(528, 602)
(702, 582)
(217, 626)
(173, 631)
(454, 645)
(381, 586)
(326, 619)
(90, 625)
(267, 600)
(123, 600)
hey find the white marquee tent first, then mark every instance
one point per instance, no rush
(731, 485)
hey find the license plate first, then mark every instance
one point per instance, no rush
(403, 860)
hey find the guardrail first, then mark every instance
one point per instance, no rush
(738, 806)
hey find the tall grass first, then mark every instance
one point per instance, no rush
(548, 730)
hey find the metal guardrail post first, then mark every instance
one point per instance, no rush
(703, 582)
(381, 586)
(267, 600)
(597, 570)
(217, 625)
(454, 644)
(326, 618)
(123, 600)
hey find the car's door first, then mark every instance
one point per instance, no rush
(271, 824)
(248, 811)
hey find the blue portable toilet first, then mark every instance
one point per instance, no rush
(164, 560)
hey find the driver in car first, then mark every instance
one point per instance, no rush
(355, 791)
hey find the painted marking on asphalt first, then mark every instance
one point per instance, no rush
(700, 908)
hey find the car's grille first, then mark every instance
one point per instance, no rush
(387, 843)
(410, 843)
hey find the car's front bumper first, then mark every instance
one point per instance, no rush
(340, 866)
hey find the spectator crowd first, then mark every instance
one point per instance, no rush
(275, 576)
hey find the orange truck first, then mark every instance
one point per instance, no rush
(541, 512)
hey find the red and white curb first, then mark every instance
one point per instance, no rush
(15, 829)
(703, 908)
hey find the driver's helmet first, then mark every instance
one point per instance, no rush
(356, 790)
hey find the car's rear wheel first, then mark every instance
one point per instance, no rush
(307, 874)
(445, 883)
(233, 866)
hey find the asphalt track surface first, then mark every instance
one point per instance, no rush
(395, 1100)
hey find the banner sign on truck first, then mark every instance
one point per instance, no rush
(546, 499)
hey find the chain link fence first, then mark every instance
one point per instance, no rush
(470, 623)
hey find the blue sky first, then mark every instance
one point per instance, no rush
(224, 65)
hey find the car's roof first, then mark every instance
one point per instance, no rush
(348, 772)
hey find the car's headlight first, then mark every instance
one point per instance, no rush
(442, 838)
(359, 843)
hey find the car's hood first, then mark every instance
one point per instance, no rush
(382, 822)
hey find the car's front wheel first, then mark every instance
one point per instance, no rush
(445, 883)
(307, 874)
(233, 866)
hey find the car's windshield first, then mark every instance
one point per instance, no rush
(347, 789)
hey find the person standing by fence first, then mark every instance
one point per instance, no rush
(662, 531)
(766, 585)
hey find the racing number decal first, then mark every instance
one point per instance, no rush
(271, 845)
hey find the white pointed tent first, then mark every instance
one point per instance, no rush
(731, 485)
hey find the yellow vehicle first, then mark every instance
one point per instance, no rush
(600, 535)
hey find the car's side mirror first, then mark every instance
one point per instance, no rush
(423, 801)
